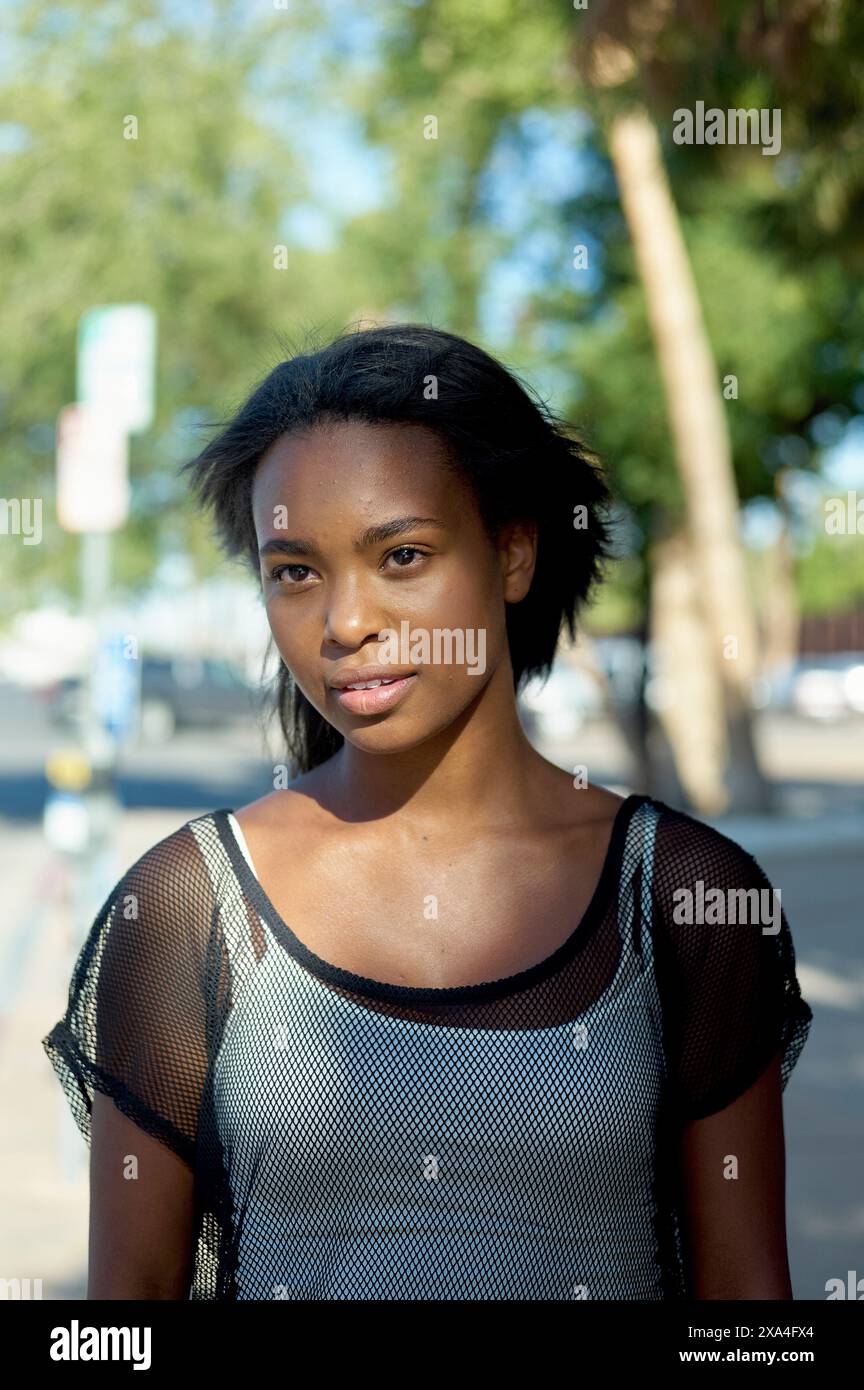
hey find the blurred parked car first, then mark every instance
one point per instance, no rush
(176, 693)
(820, 687)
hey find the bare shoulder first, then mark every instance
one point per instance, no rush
(294, 808)
(580, 807)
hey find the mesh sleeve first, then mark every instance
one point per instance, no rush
(732, 995)
(135, 1026)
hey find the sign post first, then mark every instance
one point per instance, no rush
(115, 373)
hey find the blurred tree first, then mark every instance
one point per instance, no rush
(471, 100)
(191, 214)
(639, 51)
(713, 642)
(499, 170)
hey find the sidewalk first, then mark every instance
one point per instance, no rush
(43, 1157)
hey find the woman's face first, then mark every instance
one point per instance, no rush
(373, 553)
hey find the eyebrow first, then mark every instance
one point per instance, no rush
(373, 535)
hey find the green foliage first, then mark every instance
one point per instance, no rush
(186, 218)
(830, 574)
(770, 238)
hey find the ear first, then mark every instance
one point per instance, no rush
(517, 552)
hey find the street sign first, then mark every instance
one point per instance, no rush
(117, 363)
(92, 470)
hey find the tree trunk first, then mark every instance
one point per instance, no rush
(685, 690)
(701, 441)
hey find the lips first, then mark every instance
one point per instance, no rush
(371, 685)
(367, 673)
(378, 693)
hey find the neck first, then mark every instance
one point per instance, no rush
(476, 770)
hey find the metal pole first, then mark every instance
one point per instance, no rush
(99, 746)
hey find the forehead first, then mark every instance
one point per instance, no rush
(355, 468)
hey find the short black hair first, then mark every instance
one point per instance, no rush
(522, 461)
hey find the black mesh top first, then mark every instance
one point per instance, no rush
(353, 1139)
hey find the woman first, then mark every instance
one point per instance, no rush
(435, 1019)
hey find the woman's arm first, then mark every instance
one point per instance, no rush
(140, 1227)
(736, 1226)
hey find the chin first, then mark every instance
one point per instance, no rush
(387, 737)
(381, 740)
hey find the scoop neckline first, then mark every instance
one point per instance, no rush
(383, 989)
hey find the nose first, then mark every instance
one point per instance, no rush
(353, 618)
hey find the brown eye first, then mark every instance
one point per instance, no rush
(277, 573)
(409, 550)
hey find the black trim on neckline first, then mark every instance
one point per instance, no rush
(486, 990)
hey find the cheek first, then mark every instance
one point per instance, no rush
(466, 599)
(294, 634)
(462, 595)
(472, 598)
